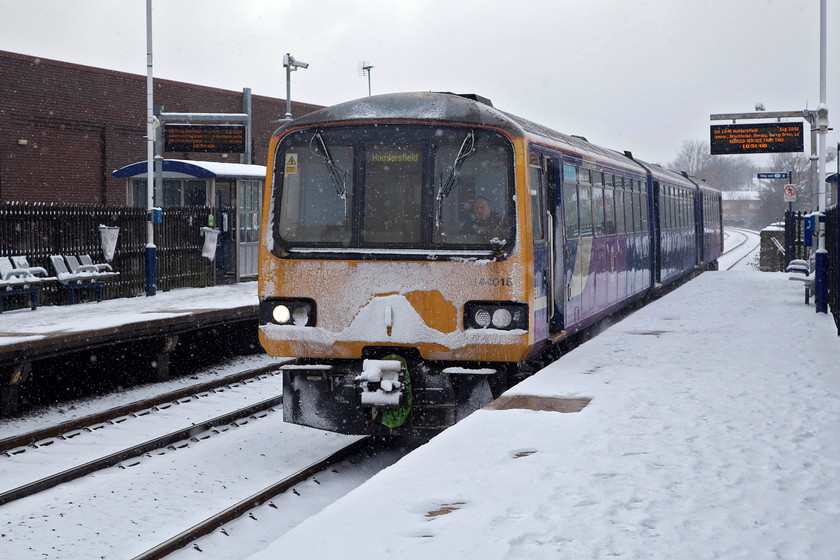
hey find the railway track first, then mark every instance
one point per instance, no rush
(733, 252)
(239, 509)
(68, 430)
(136, 408)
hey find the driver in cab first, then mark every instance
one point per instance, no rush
(483, 219)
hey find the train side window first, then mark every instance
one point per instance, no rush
(619, 206)
(644, 206)
(637, 208)
(628, 206)
(609, 210)
(598, 206)
(680, 199)
(570, 201)
(585, 204)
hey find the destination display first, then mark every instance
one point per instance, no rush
(761, 138)
(204, 138)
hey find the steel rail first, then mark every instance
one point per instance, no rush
(83, 422)
(747, 254)
(134, 451)
(237, 510)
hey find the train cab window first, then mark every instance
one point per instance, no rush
(315, 193)
(570, 201)
(620, 226)
(479, 207)
(393, 186)
(406, 187)
(585, 203)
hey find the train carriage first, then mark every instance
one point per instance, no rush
(418, 249)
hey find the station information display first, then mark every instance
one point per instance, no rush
(204, 138)
(760, 138)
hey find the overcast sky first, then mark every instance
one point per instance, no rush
(642, 75)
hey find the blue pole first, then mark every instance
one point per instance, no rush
(151, 270)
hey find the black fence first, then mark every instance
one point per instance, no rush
(38, 231)
(832, 245)
(796, 232)
(795, 237)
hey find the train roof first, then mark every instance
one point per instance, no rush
(442, 107)
(447, 107)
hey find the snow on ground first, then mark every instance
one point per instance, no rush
(21, 325)
(713, 432)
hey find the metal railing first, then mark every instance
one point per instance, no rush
(39, 230)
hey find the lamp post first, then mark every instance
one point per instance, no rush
(151, 250)
(290, 64)
(821, 272)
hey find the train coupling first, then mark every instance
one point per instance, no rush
(381, 383)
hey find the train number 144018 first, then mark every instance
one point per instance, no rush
(496, 282)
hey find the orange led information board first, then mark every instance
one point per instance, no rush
(761, 138)
(204, 138)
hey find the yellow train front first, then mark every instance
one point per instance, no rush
(396, 263)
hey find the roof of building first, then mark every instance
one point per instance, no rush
(740, 195)
(190, 169)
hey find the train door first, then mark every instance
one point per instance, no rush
(699, 240)
(570, 257)
(656, 233)
(248, 226)
(543, 298)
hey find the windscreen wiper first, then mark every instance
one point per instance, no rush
(446, 187)
(337, 175)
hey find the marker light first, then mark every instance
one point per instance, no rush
(482, 318)
(300, 315)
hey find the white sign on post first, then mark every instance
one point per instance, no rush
(790, 193)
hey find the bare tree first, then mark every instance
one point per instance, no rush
(692, 157)
(727, 173)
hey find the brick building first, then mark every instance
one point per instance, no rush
(740, 208)
(64, 128)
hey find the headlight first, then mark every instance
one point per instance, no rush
(281, 314)
(502, 315)
(287, 311)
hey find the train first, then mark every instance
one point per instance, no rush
(421, 252)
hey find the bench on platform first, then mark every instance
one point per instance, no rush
(103, 268)
(800, 271)
(18, 281)
(84, 276)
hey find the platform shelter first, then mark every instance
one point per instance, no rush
(235, 192)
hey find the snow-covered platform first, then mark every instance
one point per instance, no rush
(706, 425)
(51, 331)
